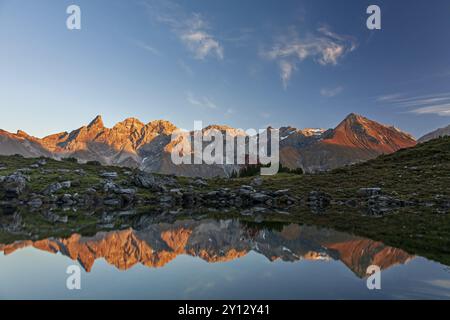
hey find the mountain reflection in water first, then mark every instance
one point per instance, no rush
(155, 245)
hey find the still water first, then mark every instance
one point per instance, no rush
(213, 259)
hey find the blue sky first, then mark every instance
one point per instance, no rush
(247, 64)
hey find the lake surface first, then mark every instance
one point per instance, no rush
(216, 259)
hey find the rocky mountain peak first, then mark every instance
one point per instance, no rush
(96, 123)
(224, 129)
(129, 125)
(161, 127)
(352, 117)
(22, 134)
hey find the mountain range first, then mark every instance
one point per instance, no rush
(132, 143)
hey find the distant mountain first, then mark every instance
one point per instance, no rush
(148, 146)
(355, 139)
(442, 132)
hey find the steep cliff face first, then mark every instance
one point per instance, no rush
(218, 241)
(132, 143)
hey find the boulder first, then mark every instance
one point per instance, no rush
(257, 182)
(53, 217)
(246, 190)
(146, 181)
(15, 184)
(280, 193)
(110, 186)
(259, 197)
(66, 184)
(113, 202)
(67, 200)
(200, 183)
(54, 187)
(125, 191)
(109, 175)
(91, 191)
(153, 182)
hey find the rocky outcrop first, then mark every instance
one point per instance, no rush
(13, 185)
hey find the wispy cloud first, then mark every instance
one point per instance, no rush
(204, 102)
(441, 110)
(438, 104)
(390, 97)
(286, 70)
(192, 29)
(325, 47)
(331, 92)
(148, 48)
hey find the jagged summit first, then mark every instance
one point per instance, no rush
(162, 126)
(96, 123)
